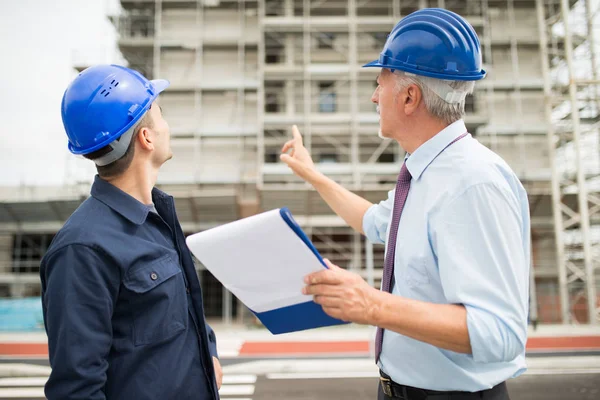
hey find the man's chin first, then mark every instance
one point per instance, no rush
(380, 134)
(167, 158)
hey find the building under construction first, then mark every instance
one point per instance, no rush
(243, 72)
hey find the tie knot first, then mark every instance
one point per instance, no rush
(404, 174)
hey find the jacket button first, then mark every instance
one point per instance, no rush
(153, 276)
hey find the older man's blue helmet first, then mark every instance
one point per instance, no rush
(103, 103)
(433, 42)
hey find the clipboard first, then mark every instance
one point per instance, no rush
(263, 260)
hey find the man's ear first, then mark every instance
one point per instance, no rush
(413, 99)
(145, 139)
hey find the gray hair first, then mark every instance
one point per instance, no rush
(443, 99)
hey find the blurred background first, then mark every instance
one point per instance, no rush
(242, 72)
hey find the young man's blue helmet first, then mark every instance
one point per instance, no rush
(103, 103)
(433, 42)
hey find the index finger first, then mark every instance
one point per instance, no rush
(296, 134)
(328, 277)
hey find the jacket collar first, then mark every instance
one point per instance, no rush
(123, 203)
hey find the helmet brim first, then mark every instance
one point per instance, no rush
(160, 84)
(375, 63)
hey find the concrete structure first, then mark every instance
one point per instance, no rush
(242, 72)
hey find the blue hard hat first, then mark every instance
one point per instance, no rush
(433, 42)
(103, 103)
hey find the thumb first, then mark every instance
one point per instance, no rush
(289, 160)
(330, 265)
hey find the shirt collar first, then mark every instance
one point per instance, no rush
(419, 160)
(126, 205)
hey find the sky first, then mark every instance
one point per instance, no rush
(39, 40)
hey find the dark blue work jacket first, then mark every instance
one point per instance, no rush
(123, 306)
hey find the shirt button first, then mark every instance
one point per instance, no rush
(153, 276)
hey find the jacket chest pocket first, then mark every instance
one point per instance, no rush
(158, 300)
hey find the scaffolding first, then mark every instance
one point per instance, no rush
(313, 53)
(242, 72)
(568, 42)
(208, 50)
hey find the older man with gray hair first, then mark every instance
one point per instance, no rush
(451, 314)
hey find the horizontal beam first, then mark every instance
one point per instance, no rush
(392, 169)
(363, 23)
(19, 278)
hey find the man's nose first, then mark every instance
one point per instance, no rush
(375, 96)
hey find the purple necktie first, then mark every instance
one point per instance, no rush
(402, 187)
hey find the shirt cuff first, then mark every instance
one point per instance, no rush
(368, 225)
(491, 339)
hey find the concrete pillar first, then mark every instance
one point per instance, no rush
(357, 252)
(6, 250)
(289, 50)
(289, 8)
(290, 98)
(17, 290)
(369, 261)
